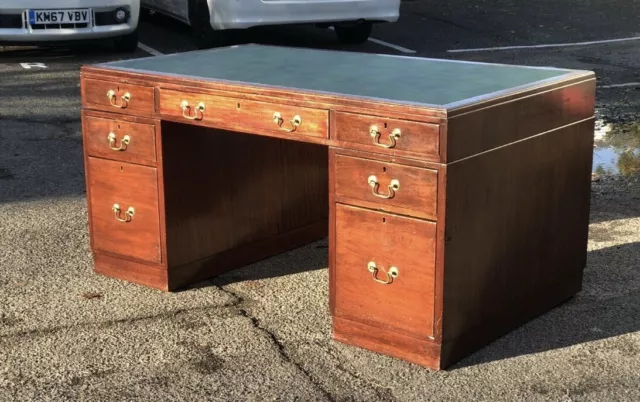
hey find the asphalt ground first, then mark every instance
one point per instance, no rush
(263, 332)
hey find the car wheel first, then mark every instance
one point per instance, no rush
(354, 34)
(204, 36)
(127, 43)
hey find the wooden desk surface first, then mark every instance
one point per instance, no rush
(397, 79)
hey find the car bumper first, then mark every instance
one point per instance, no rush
(15, 28)
(248, 13)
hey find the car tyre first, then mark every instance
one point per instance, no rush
(204, 36)
(355, 34)
(127, 43)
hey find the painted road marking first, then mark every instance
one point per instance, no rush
(595, 42)
(627, 84)
(391, 45)
(149, 50)
(28, 66)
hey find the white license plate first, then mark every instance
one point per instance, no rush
(69, 16)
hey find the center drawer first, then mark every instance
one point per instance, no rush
(386, 186)
(245, 115)
(385, 270)
(124, 209)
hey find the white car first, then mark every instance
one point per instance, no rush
(42, 22)
(351, 19)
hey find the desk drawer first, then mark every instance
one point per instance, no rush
(392, 187)
(119, 97)
(115, 187)
(389, 135)
(245, 115)
(120, 140)
(373, 248)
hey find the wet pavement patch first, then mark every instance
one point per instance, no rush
(617, 149)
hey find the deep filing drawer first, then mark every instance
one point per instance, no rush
(118, 97)
(124, 209)
(392, 187)
(244, 115)
(385, 270)
(120, 140)
(392, 136)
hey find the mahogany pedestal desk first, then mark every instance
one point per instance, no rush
(455, 195)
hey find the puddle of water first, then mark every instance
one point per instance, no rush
(617, 148)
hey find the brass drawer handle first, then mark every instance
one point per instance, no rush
(391, 273)
(199, 108)
(394, 185)
(123, 142)
(111, 94)
(295, 122)
(128, 214)
(393, 137)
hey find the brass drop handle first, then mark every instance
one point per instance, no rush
(128, 213)
(198, 110)
(295, 122)
(392, 273)
(394, 185)
(393, 137)
(123, 142)
(111, 94)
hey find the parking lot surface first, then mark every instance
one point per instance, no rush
(263, 332)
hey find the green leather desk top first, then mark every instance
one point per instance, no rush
(399, 79)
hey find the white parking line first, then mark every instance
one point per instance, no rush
(595, 42)
(149, 50)
(627, 84)
(391, 45)
(387, 44)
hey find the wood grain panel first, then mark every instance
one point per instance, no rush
(245, 115)
(142, 140)
(95, 96)
(131, 271)
(416, 139)
(516, 234)
(225, 189)
(406, 304)
(128, 185)
(416, 195)
(484, 129)
(419, 351)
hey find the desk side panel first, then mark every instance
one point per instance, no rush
(516, 235)
(517, 118)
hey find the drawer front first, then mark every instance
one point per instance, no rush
(372, 247)
(115, 187)
(389, 135)
(119, 97)
(120, 140)
(245, 115)
(393, 187)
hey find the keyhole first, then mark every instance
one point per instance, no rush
(121, 169)
(384, 169)
(385, 125)
(384, 220)
(238, 106)
(118, 126)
